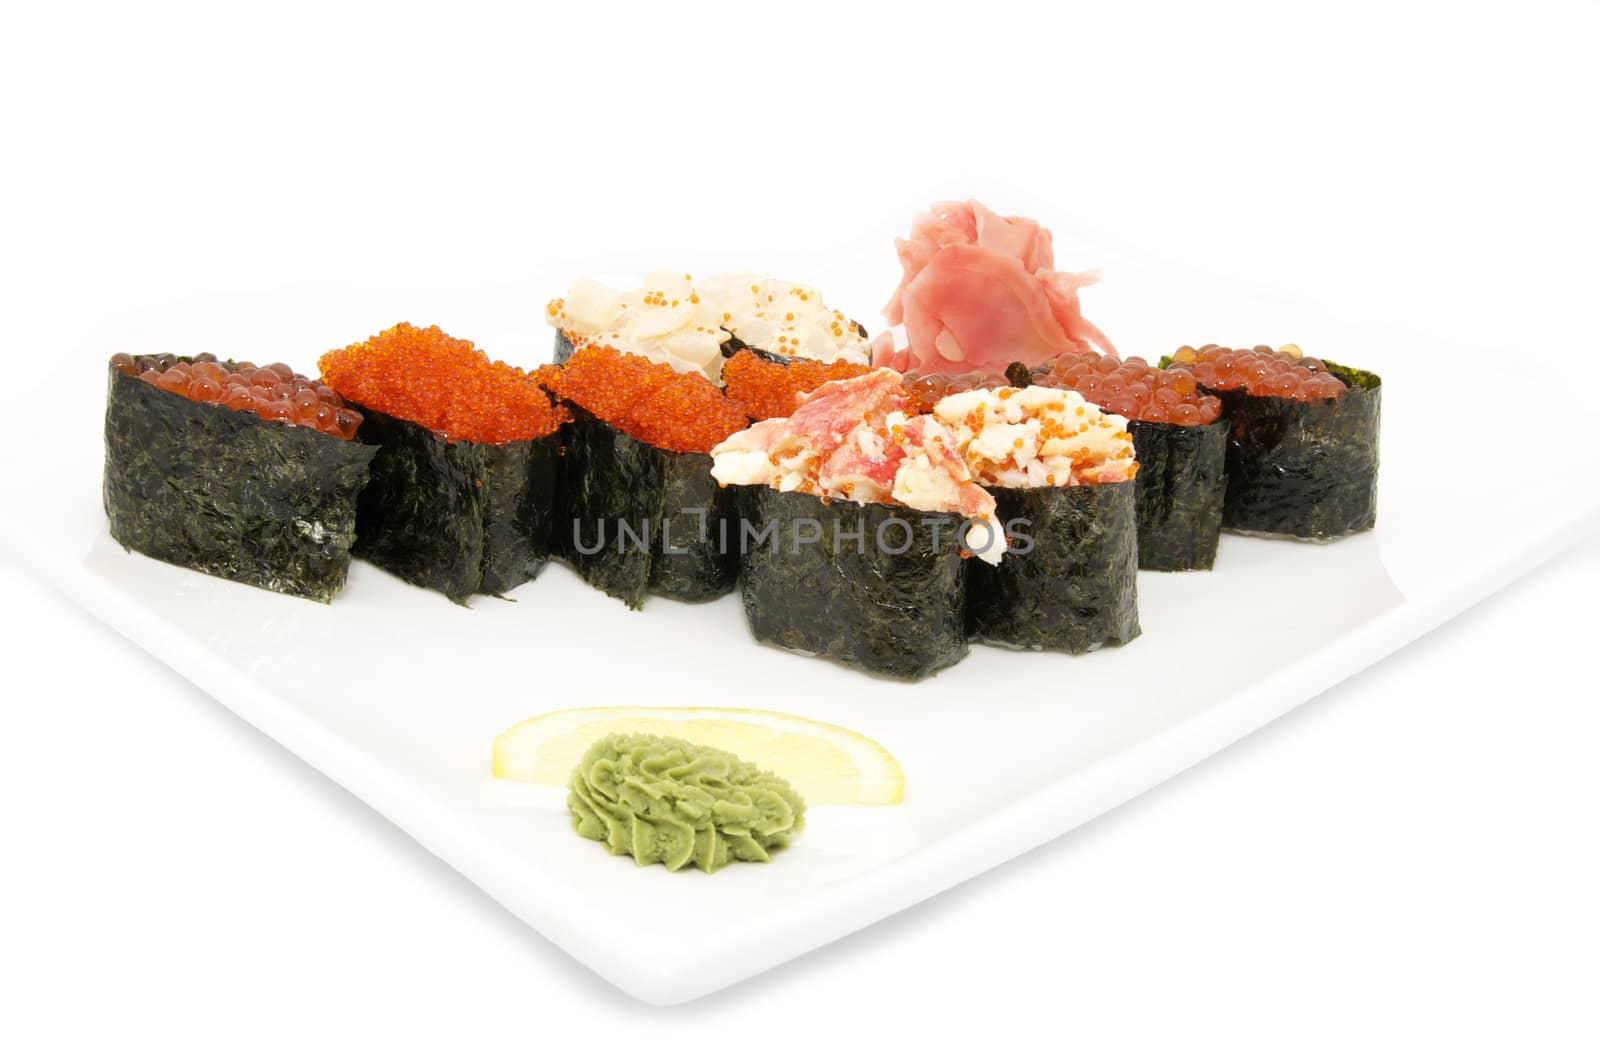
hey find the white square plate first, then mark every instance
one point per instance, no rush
(397, 694)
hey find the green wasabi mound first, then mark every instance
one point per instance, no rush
(675, 803)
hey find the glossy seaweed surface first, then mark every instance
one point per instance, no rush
(879, 587)
(227, 493)
(564, 349)
(638, 520)
(1180, 491)
(1070, 586)
(1304, 470)
(460, 518)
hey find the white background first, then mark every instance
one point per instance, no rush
(1404, 869)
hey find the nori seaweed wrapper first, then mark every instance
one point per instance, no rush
(461, 518)
(227, 493)
(1304, 470)
(636, 519)
(564, 348)
(733, 345)
(892, 601)
(1072, 587)
(1180, 491)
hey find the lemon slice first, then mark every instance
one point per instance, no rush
(829, 765)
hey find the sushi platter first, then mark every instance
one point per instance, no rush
(719, 577)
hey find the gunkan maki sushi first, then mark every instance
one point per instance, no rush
(1302, 456)
(1061, 472)
(1180, 437)
(856, 518)
(244, 472)
(639, 511)
(927, 388)
(768, 388)
(694, 325)
(462, 491)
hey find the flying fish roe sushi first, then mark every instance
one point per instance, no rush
(445, 384)
(682, 412)
(770, 389)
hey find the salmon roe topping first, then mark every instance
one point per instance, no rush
(927, 389)
(1133, 388)
(650, 401)
(1285, 372)
(273, 393)
(769, 389)
(444, 384)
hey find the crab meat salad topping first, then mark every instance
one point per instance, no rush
(853, 439)
(683, 323)
(1037, 437)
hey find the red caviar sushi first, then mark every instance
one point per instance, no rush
(926, 389)
(1133, 388)
(1261, 370)
(243, 472)
(1302, 455)
(273, 392)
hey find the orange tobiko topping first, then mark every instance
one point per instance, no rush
(650, 401)
(605, 381)
(444, 384)
(769, 389)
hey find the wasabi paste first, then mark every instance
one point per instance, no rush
(667, 801)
